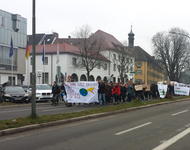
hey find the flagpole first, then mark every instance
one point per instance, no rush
(12, 71)
(43, 64)
(57, 62)
(28, 71)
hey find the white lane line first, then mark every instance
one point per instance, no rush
(128, 130)
(171, 141)
(184, 111)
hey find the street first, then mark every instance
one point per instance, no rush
(24, 110)
(155, 128)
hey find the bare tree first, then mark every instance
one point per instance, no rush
(172, 50)
(122, 61)
(89, 49)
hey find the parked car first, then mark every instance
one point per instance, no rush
(43, 92)
(14, 94)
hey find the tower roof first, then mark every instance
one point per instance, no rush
(131, 32)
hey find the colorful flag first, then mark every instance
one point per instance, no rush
(11, 48)
(27, 53)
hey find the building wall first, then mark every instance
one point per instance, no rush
(14, 26)
(109, 54)
(67, 68)
(147, 73)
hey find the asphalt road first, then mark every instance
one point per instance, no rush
(155, 128)
(24, 110)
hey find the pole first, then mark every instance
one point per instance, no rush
(33, 112)
(43, 74)
(12, 72)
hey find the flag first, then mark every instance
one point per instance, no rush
(43, 54)
(11, 48)
(27, 53)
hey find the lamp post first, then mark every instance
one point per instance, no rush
(33, 112)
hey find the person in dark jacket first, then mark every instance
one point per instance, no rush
(123, 92)
(56, 93)
(101, 93)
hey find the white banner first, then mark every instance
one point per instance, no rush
(181, 89)
(162, 89)
(82, 92)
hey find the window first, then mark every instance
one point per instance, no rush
(139, 65)
(105, 66)
(12, 80)
(119, 68)
(45, 78)
(98, 65)
(131, 68)
(1, 21)
(127, 69)
(114, 67)
(114, 56)
(139, 71)
(119, 57)
(74, 61)
(83, 62)
(16, 22)
(46, 61)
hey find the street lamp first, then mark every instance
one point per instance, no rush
(33, 112)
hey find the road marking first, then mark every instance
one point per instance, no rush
(184, 111)
(128, 130)
(171, 141)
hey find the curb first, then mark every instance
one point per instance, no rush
(67, 121)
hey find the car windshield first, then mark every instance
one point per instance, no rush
(43, 87)
(14, 89)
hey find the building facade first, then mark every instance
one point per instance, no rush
(147, 70)
(66, 64)
(12, 67)
(70, 60)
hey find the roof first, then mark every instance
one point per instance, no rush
(69, 40)
(141, 55)
(108, 40)
(64, 48)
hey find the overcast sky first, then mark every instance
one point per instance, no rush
(112, 16)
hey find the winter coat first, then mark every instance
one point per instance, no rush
(116, 90)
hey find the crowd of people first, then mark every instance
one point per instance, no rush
(118, 92)
(114, 92)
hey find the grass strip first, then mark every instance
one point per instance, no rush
(19, 122)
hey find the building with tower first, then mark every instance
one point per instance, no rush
(146, 70)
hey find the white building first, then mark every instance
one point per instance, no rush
(68, 62)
